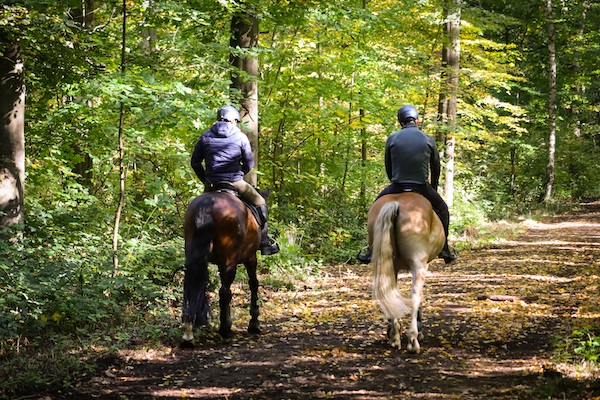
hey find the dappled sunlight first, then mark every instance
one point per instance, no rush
(489, 324)
(195, 392)
(535, 225)
(558, 244)
(490, 367)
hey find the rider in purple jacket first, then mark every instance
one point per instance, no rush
(226, 152)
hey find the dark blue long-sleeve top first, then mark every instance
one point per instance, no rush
(410, 154)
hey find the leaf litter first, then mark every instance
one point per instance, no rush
(490, 321)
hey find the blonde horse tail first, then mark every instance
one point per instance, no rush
(385, 288)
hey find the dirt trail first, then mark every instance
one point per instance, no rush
(490, 320)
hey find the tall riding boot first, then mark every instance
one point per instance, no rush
(268, 245)
(448, 255)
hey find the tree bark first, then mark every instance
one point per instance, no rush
(244, 37)
(122, 170)
(12, 141)
(363, 160)
(83, 168)
(551, 101)
(453, 32)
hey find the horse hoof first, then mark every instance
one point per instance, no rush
(186, 344)
(413, 348)
(227, 337)
(254, 329)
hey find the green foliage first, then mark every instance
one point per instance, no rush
(331, 77)
(582, 346)
(290, 265)
(60, 282)
(58, 289)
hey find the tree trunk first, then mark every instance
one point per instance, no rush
(148, 32)
(122, 171)
(363, 147)
(551, 101)
(244, 35)
(83, 168)
(12, 141)
(453, 32)
(363, 160)
(442, 117)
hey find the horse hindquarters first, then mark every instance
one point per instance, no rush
(385, 288)
(409, 246)
(199, 230)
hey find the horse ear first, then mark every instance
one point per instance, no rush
(265, 193)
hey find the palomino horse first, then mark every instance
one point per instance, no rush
(405, 234)
(219, 228)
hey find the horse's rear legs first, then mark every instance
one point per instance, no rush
(227, 277)
(393, 332)
(254, 325)
(413, 333)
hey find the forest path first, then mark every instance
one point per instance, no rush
(490, 321)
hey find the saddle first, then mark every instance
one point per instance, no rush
(227, 187)
(403, 188)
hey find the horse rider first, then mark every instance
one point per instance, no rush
(409, 155)
(226, 151)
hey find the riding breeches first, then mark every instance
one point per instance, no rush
(437, 202)
(248, 192)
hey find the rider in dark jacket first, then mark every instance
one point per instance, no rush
(226, 152)
(410, 155)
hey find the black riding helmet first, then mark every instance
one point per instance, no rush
(228, 113)
(407, 113)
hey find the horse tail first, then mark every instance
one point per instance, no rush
(385, 287)
(199, 227)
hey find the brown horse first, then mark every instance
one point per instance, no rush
(219, 228)
(405, 234)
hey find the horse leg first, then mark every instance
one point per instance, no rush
(393, 332)
(227, 277)
(418, 281)
(420, 323)
(188, 334)
(195, 303)
(254, 325)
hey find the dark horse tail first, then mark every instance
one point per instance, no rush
(199, 233)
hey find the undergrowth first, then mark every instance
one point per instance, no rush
(580, 351)
(64, 308)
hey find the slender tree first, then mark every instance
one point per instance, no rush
(12, 138)
(551, 100)
(122, 170)
(452, 57)
(85, 17)
(244, 42)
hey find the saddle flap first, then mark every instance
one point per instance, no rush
(227, 187)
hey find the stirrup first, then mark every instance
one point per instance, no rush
(366, 257)
(269, 248)
(448, 256)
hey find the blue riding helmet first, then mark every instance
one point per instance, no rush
(228, 113)
(407, 113)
